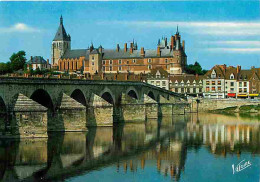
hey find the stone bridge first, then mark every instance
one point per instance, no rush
(106, 101)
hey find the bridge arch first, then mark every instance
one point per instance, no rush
(107, 95)
(79, 96)
(43, 97)
(132, 92)
(151, 94)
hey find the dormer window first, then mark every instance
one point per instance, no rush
(149, 60)
(110, 61)
(213, 74)
(166, 61)
(134, 60)
(232, 76)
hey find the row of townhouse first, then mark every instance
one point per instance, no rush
(219, 82)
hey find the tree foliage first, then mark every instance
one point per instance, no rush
(195, 69)
(17, 62)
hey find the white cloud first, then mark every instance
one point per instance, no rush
(19, 27)
(234, 50)
(210, 28)
(252, 43)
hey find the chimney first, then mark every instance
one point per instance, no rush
(183, 45)
(131, 50)
(48, 62)
(132, 45)
(142, 52)
(117, 47)
(158, 51)
(125, 47)
(172, 41)
(31, 57)
(238, 68)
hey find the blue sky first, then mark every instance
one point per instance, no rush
(216, 32)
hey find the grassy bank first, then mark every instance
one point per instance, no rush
(243, 110)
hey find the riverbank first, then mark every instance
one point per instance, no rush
(244, 110)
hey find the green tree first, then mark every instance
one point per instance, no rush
(18, 60)
(195, 69)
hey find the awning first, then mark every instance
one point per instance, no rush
(253, 95)
(242, 95)
(231, 94)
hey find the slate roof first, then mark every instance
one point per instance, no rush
(114, 54)
(37, 60)
(76, 53)
(61, 34)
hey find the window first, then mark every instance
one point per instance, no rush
(120, 68)
(110, 68)
(188, 90)
(213, 89)
(149, 60)
(200, 90)
(93, 58)
(149, 67)
(240, 90)
(163, 83)
(110, 61)
(207, 82)
(245, 84)
(158, 76)
(103, 68)
(176, 89)
(104, 62)
(219, 82)
(166, 61)
(232, 89)
(194, 90)
(152, 82)
(232, 84)
(245, 89)
(127, 62)
(219, 88)
(93, 63)
(207, 89)
(119, 61)
(240, 84)
(134, 60)
(182, 90)
(213, 83)
(231, 76)
(157, 83)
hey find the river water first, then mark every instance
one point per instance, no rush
(204, 147)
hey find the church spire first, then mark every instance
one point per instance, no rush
(61, 20)
(177, 32)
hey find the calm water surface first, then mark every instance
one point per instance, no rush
(183, 148)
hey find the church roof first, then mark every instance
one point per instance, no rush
(114, 54)
(61, 34)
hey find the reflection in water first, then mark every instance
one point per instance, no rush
(166, 146)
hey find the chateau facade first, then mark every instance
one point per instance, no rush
(169, 55)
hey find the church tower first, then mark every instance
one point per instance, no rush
(60, 44)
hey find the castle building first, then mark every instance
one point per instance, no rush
(168, 55)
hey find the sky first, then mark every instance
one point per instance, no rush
(215, 32)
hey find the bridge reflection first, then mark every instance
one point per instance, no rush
(131, 147)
